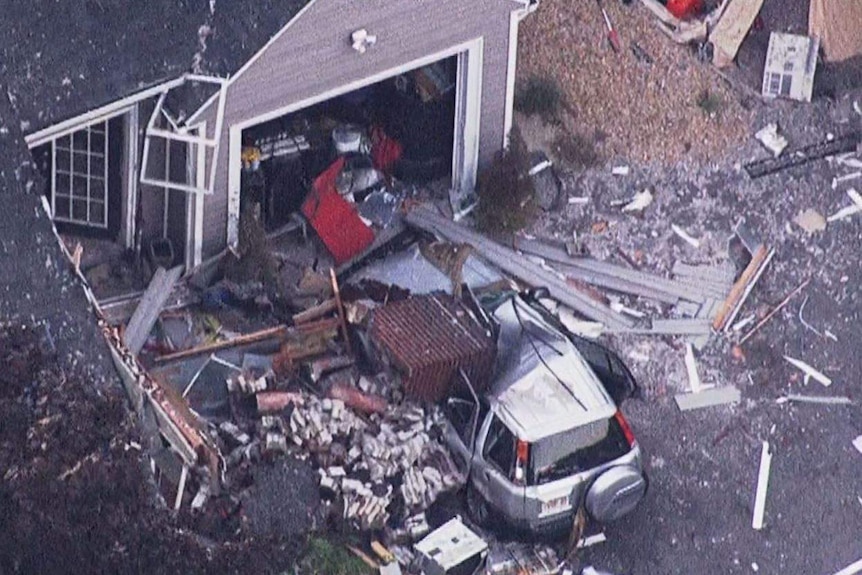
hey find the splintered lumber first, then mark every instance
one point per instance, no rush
(149, 308)
(743, 286)
(278, 331)
(685, 326)
(315, 312)
(774, 311)
(762, 485)
(731, 30)
(514, 264)
(708, 398)
(618, 278)
(339, 306)
(809, 371)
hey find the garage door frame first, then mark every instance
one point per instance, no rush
(465, 154)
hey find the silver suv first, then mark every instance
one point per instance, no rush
(547, 437)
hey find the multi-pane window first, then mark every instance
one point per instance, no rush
(80, 177)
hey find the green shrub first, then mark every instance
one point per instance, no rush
(710, 102)
(539, 96)
(323, 557)
(506, 193)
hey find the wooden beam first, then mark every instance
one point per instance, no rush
(732, 29)
(340, 307)
(278, 331)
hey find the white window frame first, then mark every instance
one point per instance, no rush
(90, 178)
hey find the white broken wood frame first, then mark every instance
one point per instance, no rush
(184, 475)
(512, 263)
(852, 569)
(762, 487)
(185, 135)
(616, 277)
(691, 367)
(731, 29)
(708, 398)
(823, 400)
(149, 308)
(851, 210)
(742, 288)
(809, 371)
(684, 326)
(685, 236)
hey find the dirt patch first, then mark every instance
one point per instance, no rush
(74, 492)
(565, 41)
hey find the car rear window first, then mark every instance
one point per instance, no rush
(576, 450)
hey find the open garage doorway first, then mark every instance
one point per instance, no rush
(416, 125)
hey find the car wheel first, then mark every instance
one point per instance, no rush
(477, 507)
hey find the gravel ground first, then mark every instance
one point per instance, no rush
(566, 41)
(704, 464)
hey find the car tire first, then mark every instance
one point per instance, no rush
(478, 508)
(615, 493)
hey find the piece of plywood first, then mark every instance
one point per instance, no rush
(837, 23)
(149, 308)
(731, 30)
(708, 398)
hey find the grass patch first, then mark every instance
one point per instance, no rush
(506, 194)
(323, 557)
(576, 151)
(539, 96)
(710, 102)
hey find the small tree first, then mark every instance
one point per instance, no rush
(506, 193)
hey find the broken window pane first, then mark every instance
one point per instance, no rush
(500, 446)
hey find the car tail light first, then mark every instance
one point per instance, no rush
(522, 456)
(624, 425)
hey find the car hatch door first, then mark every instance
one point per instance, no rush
(610, 369)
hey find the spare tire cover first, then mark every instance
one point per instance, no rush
(615, 493)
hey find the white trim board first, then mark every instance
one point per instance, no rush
(471, 134)
(97, 115)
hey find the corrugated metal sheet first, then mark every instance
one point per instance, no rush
(428, 338)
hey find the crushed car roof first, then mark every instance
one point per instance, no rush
(543, 385)
(62, 59)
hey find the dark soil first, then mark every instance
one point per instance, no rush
(75, 495)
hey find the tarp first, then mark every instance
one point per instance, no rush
(838, 23)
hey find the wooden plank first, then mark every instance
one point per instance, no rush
(708, 398)
(148, 310)
(639, 283)
(731, 30)
(514, 264)
(615, 284)
(340, 307)
(278, 331)
(762, 486)
(315, 312)
(741, 288)
(684, 326)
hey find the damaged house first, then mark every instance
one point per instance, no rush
(154, 123)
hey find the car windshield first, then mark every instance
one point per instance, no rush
(579, 449)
